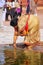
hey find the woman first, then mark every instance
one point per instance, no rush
(28, 26)
(33, 6)
(33, 28)
(25, 3)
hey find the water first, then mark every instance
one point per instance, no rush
(21, 56)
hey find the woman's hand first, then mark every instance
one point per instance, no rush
(23, 33)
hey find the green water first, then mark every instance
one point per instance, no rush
(18, 56)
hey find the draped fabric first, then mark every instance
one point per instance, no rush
(33, 7)
(24, 2)
(33, 28)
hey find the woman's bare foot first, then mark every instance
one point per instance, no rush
(27, 43)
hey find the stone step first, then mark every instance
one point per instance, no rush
(40, 8)
(41, 34)
(6, 37)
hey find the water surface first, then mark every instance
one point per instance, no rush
(21, 56)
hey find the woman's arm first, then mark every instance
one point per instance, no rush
(15, 36)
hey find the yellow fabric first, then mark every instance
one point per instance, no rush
(22, 21)
(17, 4)
(33, 24)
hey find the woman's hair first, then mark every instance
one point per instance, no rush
(16, 14)
(14, 22)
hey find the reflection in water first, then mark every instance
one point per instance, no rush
(2, 57)
(2, 61)
(22, 57)
(41, 58)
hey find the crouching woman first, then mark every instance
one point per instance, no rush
(28, 26)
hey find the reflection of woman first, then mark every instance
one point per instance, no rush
(26, 57)
(31, 31)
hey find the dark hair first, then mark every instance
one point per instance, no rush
(14, 22)
(15, 19)
(19, 14)
(16, 14)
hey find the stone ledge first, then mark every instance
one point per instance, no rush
(40, 8)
